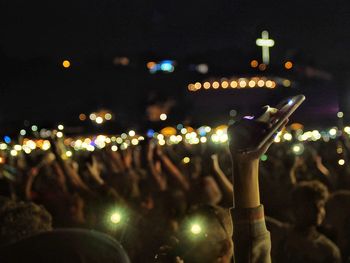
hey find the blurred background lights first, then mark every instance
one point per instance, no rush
(186, 160)
(163, 117)
(332, 132)
(92, 116)
(134, 141)
(216, 85)
(23, 132)
(288, 65)
(60, 127)
(34, 128)
(82, 117)
(202, 68)
(66, 63)
(3, 146)
(340, 114)
(114, 148)
(286, 83)
(99, 120)
(341, 161)
(59, 134)
(108, 116)
(7, 139)
(233, 84)
(167, 66)
(254, 63)
(17, 147)
(224, 84)
(206, 85)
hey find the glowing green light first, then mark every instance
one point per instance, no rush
(263, 157)
(116, 218)
(196, 229)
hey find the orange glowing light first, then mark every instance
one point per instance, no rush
(82, 117)
(197, 85)
(224, 84)
(262, 67)
(66, 63)
(254, 63)
(216, 85)
(206, 85)
(151, 64)
(288, 65)
(233, 84)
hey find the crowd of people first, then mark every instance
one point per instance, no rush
(173, 203)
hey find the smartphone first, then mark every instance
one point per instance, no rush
(284, 110)
(251, 133)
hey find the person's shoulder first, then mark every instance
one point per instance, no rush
(328, 246)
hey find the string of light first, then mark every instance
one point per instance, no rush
(239, 83)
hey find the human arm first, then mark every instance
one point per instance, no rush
(154, 168)
(251, 238)
(172, 169)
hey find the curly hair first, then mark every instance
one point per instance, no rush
(312, 191)
(19, 220)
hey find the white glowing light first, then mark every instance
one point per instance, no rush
(186, 160)
(132, 133)
(69, 153)
(99, 120)
(31, 144)
(59, 134)
(23, 132)
(46, 145)
(60, 127)
(134, 141)
(287, 136)
(90, 148)
(114, 148)
(163, 117)
(340, 114)
(341, 162)
(332, 132)
(265, 43)
(203, 139)
(17, 147)
(3, 146)
(196, 229)
(13, 152)
(108, 116)
(92, 116)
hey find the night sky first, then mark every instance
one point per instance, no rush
(36, 36)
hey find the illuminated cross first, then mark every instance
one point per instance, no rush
(265, 43)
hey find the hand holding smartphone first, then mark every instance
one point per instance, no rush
(252, 132)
